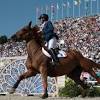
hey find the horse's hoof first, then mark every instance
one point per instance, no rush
(12, 91)
(45, 96)
(83, 95)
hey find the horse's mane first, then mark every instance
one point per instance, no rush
(32, 34)
(38, 36)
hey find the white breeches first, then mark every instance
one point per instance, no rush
(52, 43)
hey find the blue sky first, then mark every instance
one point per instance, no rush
(15, 14)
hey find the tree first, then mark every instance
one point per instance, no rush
(3, 39)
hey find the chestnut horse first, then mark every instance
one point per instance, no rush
(71, 65)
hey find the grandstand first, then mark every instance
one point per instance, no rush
(82, 34)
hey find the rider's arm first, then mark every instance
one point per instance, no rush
(48, 28)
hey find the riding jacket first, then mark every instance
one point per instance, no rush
(48, 31)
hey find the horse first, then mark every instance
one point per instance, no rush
(72, 65)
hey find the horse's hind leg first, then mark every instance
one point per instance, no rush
(92, 73)
(25, 75)
(88, 66)
(75, 75)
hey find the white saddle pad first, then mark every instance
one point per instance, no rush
(60, 54)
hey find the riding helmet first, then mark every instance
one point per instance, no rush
(45, 16)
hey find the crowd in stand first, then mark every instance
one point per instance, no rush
(82, 34)
(11, 49)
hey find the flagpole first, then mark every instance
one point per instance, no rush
(68, 8)
(51, 12)
(97, 6)
(62, 10)
(67, 11)
(36, 16)
(73, 9)
(41, 10)
(85, 4)
(57, 14)
(91, 7)
(46, 9)
(79, 9)
(57, 11)
(37, 10)
(87, 9)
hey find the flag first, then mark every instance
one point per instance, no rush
(52, 11)
(64, 5)
(77, 2)
(57, 11)
(52, 8)
(37, 10)
(68, 5)
(57, 6)
(37, 14)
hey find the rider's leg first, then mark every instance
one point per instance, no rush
(51, 46)
(53, 55)
(52, 43)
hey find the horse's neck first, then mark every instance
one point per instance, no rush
(29, 39)
(33, 45)
(33, 49)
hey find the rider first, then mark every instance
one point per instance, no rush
(49, 36)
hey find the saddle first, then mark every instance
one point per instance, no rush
(60, 53)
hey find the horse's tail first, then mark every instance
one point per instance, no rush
(77, 54)
(85, 62)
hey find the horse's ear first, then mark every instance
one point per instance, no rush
(30, 23)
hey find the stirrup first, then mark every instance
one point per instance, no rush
(54, 63)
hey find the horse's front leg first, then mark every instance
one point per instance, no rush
(43, 71)
(25, 75)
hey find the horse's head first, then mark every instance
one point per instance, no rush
(28, 33)
(23, 33)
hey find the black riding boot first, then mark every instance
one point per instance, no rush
(54, 56)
